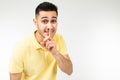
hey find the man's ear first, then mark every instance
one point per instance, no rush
(35, 22)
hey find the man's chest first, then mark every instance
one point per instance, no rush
(37, 61)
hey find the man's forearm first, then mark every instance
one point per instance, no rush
(15, 76)
(64, 63)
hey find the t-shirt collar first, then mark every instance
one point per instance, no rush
(35, 43)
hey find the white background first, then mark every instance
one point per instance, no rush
(91, 29)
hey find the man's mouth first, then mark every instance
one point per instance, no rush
(49, 32)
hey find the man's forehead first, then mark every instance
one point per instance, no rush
(47, 14)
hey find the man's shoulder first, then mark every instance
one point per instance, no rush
(24, 42)
(57, 36)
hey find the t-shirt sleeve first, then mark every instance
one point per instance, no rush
(63, 48)
(16, 60)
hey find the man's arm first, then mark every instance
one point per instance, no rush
(64, 63)
(15, 76)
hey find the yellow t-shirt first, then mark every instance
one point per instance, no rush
(35, 62)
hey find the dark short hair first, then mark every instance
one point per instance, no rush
(45, 6)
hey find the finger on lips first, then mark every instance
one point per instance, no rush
(47, 42)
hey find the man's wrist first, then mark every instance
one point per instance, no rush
(56, 53)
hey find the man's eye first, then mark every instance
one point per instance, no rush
(53, 21)
(45, 21)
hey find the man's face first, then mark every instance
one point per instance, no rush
(46, 23)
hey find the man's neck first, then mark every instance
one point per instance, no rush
(38, 37)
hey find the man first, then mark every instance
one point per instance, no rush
(37, 57)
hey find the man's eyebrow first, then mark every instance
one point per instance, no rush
(54, 17)
(47, 17)
(44, 17)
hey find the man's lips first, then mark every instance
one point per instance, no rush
(49, 31)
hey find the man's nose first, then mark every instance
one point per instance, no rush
(49, 26)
